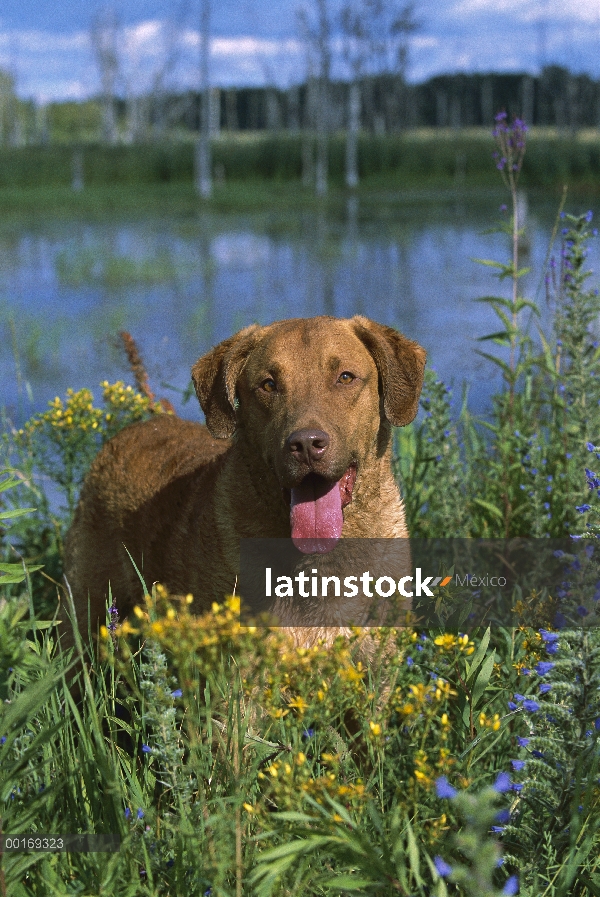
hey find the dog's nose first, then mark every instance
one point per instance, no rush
(307, 445)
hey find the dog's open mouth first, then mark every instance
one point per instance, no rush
(316, 505)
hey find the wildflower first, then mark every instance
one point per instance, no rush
(503, 815)
(248, 808)
(177, 693)
(497, 829)
(502, 783)
(544, 666)
(442, 867)
(511, 887)
(444, 788)
(545, 688)
(127, 813)
(522, 742)
(146, 749)
(549, 636)
(518, 764)
(140, 813)
(512, 705)
(517, 786)
(531, 706)
(308, 733)
(409, 661)
(375, 728)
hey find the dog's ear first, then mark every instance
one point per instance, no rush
(401, 365)
(215, 376)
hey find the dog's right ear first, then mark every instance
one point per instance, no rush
(215, 376)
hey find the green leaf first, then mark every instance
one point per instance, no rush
(479, 654)
(502, 364)
(349, 883)
(502, 337)
(489, 507)
(16, 512)
(483, 679)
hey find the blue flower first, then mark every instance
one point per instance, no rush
(545, 687)
(409, 661)
(502, 783)
(503, 815)
(497, 829)
(443, 868)
(552, 648)
(444, 788)
(518, 697)
(582, 611)
(512, 705)
(140, 813)
(511, 887)
(3, 739)
(531, 706)
(308, 733)
(517, 764)
(146, 749)
(590, 447)
(522, 742)
(127, 813)
(597, 724)
(549, 636)
(582, 508)
(177, 693)
(518, 786)
(544, 666)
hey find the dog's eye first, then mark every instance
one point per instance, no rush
(346, 377)
(268, 385)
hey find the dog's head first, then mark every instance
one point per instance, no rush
(314, 399)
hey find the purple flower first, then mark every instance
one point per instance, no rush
(140, 813)
(442, 867)
(444, 788)
(549, 636)
(518, 697)
(544, 666)
(522, 742)
(545, 687)
(146, 749)
(409, 661)
(552, 648)
(511, 887)
(518, 786)
(127, 813)
(517, 764)
(512, 705)
(502, 783)
(497, 829)
(531, 706)
(177, 693)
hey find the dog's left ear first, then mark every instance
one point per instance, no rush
(401, 365)
(215, 377)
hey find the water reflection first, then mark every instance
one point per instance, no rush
(180, 286)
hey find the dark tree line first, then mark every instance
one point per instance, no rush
(556, 97)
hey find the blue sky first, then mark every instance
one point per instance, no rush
(46, 45)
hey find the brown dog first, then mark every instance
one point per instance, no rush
(297, 443)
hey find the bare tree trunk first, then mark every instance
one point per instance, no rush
(104, 41)
(352, 136)
(203, 153)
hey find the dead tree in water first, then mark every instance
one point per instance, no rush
(140, 375)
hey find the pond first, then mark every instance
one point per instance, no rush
(180, 285)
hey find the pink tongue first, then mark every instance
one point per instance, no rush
(316, 516)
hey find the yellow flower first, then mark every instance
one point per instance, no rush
(103, 632)
(301, 758)
(375, 728)
(248, 808)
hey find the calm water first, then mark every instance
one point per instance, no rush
(182, 285)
